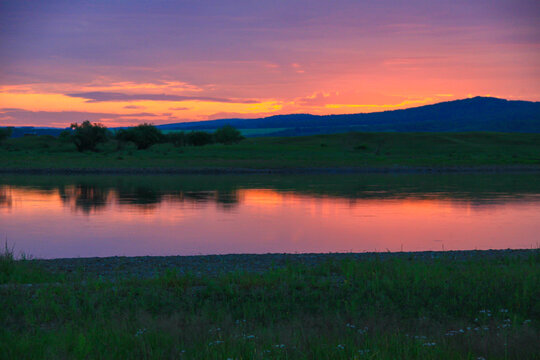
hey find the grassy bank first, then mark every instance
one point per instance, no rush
(338, 150)
(340, 308)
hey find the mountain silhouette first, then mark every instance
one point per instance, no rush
(473, 114)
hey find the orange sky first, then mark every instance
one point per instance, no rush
(64, 61)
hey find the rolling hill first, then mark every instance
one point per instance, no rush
(473, 114)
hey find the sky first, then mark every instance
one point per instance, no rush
(132, 61)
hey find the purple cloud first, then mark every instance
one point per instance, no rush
(102, 96)
(21, 117)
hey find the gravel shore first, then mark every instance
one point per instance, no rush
(150, 266)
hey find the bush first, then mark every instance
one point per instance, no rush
(143, 135)
(199, 138)
(87, 135)
(177, 138)
(5, 132)
(228, 135)
(65, 136)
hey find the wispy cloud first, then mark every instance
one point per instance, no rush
(102, 96)
(405, 103)
(19, 117)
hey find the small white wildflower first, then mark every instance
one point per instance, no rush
(480, 358)
(527, 321)
(140, 332)
(461, 331)
(250, 336)
(363, 331)
(217, 342)
(430, 344)
(341, 347)
(280, 346)
(503, 310)
(363, 352)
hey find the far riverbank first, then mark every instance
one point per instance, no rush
(282, 170)
(337, 153)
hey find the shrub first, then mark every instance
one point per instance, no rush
(5, 132)
(228, 135)
(87, 135)
(199, 138)
(177, 138)
(143, 135)
(65, 136)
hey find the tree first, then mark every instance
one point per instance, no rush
(143, 135)
(87, 135)
(228, 135)
(5, 132)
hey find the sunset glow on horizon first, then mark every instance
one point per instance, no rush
(124, 63)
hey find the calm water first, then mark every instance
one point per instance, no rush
(53, 217)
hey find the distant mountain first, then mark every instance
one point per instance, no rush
(473, 114)
(31, 130)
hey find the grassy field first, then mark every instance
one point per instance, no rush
(244, 132)
(339, 150)
(394, 308)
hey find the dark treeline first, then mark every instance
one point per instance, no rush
(87, 136)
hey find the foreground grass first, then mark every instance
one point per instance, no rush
(337, 150)
(340, 309)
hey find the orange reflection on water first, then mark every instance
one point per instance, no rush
(73, 222)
